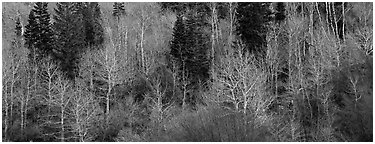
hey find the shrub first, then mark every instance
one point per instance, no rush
(216, 125)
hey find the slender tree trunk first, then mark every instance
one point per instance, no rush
(327, 16)
(12, 95)
(62, 119)
(335, 22)
(343, 21)
(108, 100)
(184, 77)
(290, 83)
(126, 43)
(6, 102)
(141, 43)
(28, 95)
(22, 115)
(232, 19)
(213, 31)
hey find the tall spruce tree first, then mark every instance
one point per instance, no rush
(70, 36)
(189, 47)
(31, 35)
(118, 9)
(252, 24)
(178, 43)
(38, 34)
(94, 32)
(18, 28)
(280, 12)
(197, 61)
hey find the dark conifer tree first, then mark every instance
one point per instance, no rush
(197, 61)
(18, 28)
(70, 37)
(252, 24)
(39, 35)
(46, 35)
(118, 9)
(92, 23)
(31, 35)
(189, 48)
(280, 12)
(17, 41)
(178, 43)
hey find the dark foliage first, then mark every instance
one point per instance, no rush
(18, 28)
(70, 37)
(280, 12)
(189, 48)
(118, 9)
(17, 41)
(179, 41)
(197, 61)
(38, 34)
(253, 19)
(92, 23)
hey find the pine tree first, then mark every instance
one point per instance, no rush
(252, 24)
(178, 43)
(46, 35)
(189, 48)
(92, 23)
(31, 35)
(118, 9)
(18, 28)
(17, 42)
(70, 36)
(38, 35)
(197, 61)
(280, 12)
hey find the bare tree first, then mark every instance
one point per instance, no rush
(56, 94)
(62, 99)
(84, 110)
(214, 32)
(14, 68)
(240, 82)
(156, 100)
(108, 63)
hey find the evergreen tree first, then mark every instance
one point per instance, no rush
(17, 42)
(189, 48)
(46, 35)
(18, 28)
(92, 23)
(280, 12)
(38, 35)
(197, 61)
(178, 43)
(252, 24)
(70, 36)
(118, 9)
(18, 34)
(31, 35)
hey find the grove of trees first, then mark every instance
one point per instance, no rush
(191, 72)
